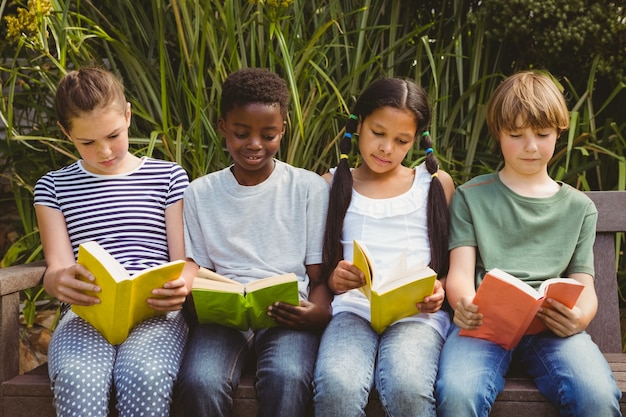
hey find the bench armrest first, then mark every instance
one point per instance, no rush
(14, 279)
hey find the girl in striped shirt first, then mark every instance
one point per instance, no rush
(133, 208)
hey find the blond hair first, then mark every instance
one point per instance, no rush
(530, 96)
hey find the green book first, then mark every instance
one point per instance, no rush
(221, 300)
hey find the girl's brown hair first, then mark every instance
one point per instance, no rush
(84, 90)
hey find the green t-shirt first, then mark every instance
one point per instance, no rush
(531, 238)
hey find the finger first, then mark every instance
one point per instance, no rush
(176, 283)
(72, 296)
(166, 304)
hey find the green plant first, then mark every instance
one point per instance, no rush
(174, 55)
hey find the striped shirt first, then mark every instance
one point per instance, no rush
(124, 213)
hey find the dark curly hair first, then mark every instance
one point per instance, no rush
(254, 85)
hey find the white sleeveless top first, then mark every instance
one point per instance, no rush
(389, 227)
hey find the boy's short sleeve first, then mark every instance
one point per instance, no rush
(462, 231)
(317, 208)
(582, 259)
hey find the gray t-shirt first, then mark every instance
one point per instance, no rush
(531, 238)
(252, 232)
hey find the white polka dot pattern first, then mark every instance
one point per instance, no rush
(83, 367)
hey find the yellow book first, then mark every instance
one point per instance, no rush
(221, 300)
(122, 298)
(392, 297)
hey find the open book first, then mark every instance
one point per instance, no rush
(221, 300)
(123, 298)
(395, 296)
(509, 306)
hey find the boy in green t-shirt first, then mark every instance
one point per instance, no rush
(522, 221)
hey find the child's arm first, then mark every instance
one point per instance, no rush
(312, 314)
(460, 287)
(176, 291)
(565, 322)
(61, 277)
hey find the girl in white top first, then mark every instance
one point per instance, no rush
(392, 209)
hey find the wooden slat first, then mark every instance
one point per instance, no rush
(605, 328)
(20, 277)
(611, 207)
(12, 280)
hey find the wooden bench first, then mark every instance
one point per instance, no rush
(29, 395)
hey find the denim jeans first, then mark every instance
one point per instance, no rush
(215, 358)
(570, 372)
(401, 363)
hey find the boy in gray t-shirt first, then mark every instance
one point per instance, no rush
(257, 218)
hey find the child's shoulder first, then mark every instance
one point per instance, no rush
(160, 163)
(480, 182)
(301, 175)
(67, 171)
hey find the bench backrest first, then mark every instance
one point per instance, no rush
(605, 328)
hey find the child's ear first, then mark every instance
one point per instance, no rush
(220, 126)
(65, 132)
(127, 114)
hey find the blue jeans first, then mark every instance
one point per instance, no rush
(215, 358)
(402, 363)
(570, 372)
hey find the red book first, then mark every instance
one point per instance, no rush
(509, 306)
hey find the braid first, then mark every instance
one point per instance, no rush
(437, 211)
(340, 196)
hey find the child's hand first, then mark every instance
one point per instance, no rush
(65, 284)
(433, 302)
(345, 277)
(561, 320)
(171, 296)
(307, 315)
(466, 314)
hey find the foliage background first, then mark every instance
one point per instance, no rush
(174, 55)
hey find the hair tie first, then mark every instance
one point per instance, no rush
(354, 117)
(343, 156)
(347, 135)
(434, 175)
(429, 150)
(425, 133)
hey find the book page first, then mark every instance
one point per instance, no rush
(221, 286)
(100, 262)
(208, 274)
(404, 278)
(270, 281)
(544, 288)
(516, 282)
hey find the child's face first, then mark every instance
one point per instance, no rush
(527, 150)
(385, 137)
(101, 139)
(253, 133)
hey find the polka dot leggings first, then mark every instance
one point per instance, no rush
(84, 368)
